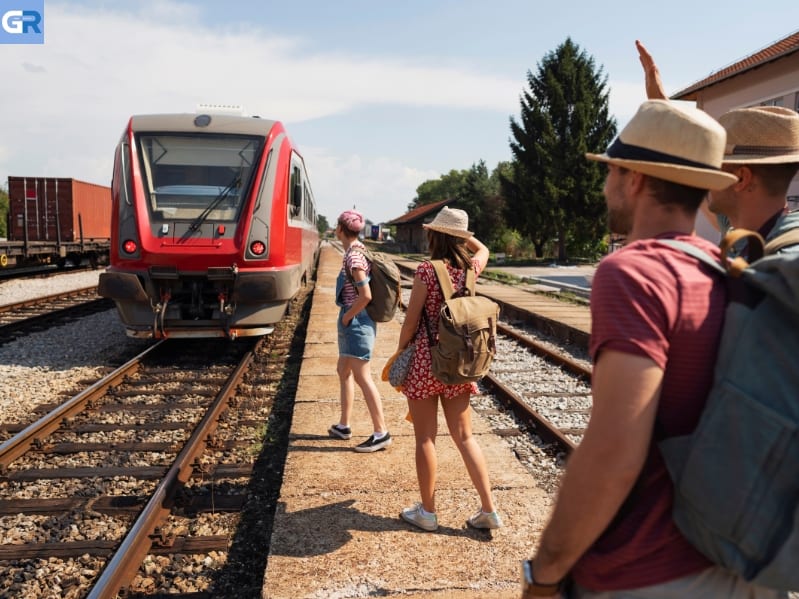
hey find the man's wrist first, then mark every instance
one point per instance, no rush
(535, 588)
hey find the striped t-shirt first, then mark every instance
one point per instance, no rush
(655, 301)
(352, 260)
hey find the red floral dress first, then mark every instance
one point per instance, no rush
(420, 382)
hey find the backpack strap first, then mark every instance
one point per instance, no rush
(694, 251)
(442, 275)
(443, 278)
(733, 266)
(365, 253)
(446, 283)
(754, 244)
(784, 240)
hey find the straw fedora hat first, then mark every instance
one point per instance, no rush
(761, 135)
(451, 221)
(673, 141)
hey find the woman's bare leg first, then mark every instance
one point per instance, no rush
(458, 414)
(425, 427)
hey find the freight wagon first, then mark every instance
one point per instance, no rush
(54, 220)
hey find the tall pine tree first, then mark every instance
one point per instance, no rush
(554, 192)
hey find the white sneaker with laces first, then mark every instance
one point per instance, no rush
(414, 516)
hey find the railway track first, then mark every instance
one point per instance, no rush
(140, 481)
(40, 272)
(41, 313)
(548, 391)
(539, 379)
(215, 536)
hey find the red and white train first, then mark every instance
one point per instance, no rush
(213, 226)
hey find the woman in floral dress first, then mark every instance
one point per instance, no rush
(451, 241)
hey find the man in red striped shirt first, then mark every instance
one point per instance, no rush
(656, 315)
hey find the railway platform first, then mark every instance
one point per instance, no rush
(337, 531)
(567, 321)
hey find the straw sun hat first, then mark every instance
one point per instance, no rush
(451, 221)
(672, 141)
(761, 135)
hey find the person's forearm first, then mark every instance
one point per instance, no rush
(474, 244)
(359, 304)
(594, 487)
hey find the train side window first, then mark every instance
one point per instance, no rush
(295, 199)
(308, 205)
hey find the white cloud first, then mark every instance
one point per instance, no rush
(380, 188)
(68, 100)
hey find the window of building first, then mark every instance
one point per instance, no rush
(775, 102)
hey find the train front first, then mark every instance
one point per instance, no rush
(194, 198)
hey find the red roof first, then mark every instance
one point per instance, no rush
(419, 213)
(770, 53)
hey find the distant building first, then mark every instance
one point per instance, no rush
(769, 77)
(410, 235)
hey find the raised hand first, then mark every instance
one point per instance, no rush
(654, 86)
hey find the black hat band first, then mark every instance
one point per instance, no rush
(621, 150)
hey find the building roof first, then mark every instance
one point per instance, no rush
(418, 213)
(775, 51)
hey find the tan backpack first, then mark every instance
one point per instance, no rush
(467, 329)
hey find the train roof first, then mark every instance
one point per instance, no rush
(204, 122)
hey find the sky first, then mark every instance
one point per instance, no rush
(379, 96)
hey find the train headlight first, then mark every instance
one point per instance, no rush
(130, 246)
(258, 247)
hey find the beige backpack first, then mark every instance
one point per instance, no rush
(467, 329)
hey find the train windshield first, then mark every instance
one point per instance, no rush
(197, 177)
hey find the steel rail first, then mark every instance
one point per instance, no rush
(543, 427)
(122, 567)
(17, 445)
(546, 352)
(48, 298)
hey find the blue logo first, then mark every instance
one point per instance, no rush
(21, 21)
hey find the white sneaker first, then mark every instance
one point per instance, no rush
(414, 516)
(484, 520)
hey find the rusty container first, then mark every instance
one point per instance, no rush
(58, 210)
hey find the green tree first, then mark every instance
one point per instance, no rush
(479, 196)
(3, 211)
(476, 192)
(434, 190)
(321, 224)
(553, 192)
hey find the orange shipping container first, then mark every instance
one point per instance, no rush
(58, 210)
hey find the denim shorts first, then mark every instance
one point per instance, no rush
(358, 339)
